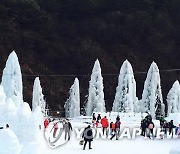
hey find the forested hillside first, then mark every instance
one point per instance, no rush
(59, 40)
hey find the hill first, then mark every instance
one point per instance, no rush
(59, 40)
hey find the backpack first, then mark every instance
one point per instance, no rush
(113, 126)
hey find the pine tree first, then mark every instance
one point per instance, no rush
(125, 98)
(12, 79)
(173, 98)
(95, 101)
(72, 105)
(38, 97)
(152, 101)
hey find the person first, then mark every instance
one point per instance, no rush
(171, 126)
(117, 118)
(94, 120)
(67, 127)
(112, 128)
(165, 127)
(94, 117)
(98, 118)
(88, 136)
(46, 123)
(105, 124)
(117, 126)
(143, 127)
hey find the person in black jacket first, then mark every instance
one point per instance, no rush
(171, 126)
(94, 117)
(143, 127)
(88, 136)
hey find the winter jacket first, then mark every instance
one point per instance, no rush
(117, 124)
(98, 117)
(143, 124)
(162, 120)
(94, 117)
(171, 125)
(67, 126)
(104, 122)
(112, 125)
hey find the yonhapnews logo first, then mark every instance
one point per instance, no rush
(64, 134)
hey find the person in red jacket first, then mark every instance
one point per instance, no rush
(105, 124)
(46, 123)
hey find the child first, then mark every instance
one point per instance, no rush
(112, 128)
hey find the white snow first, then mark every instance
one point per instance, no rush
(152, 101)
(125, 98)
(95, 101)
(31, 148)
(175, 150)
(12, 79)
(72, 105)
(173, 98)
(38, 97)
(138, 145)
(124, 145)
(9, 143)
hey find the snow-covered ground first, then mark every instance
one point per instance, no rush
(138, 145)
(125, 146)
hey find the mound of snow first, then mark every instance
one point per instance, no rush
(9, 142)
(8, 114)
(10, 107)
(24, 110)
(37, 116)
(36, 124)
(23, 125)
